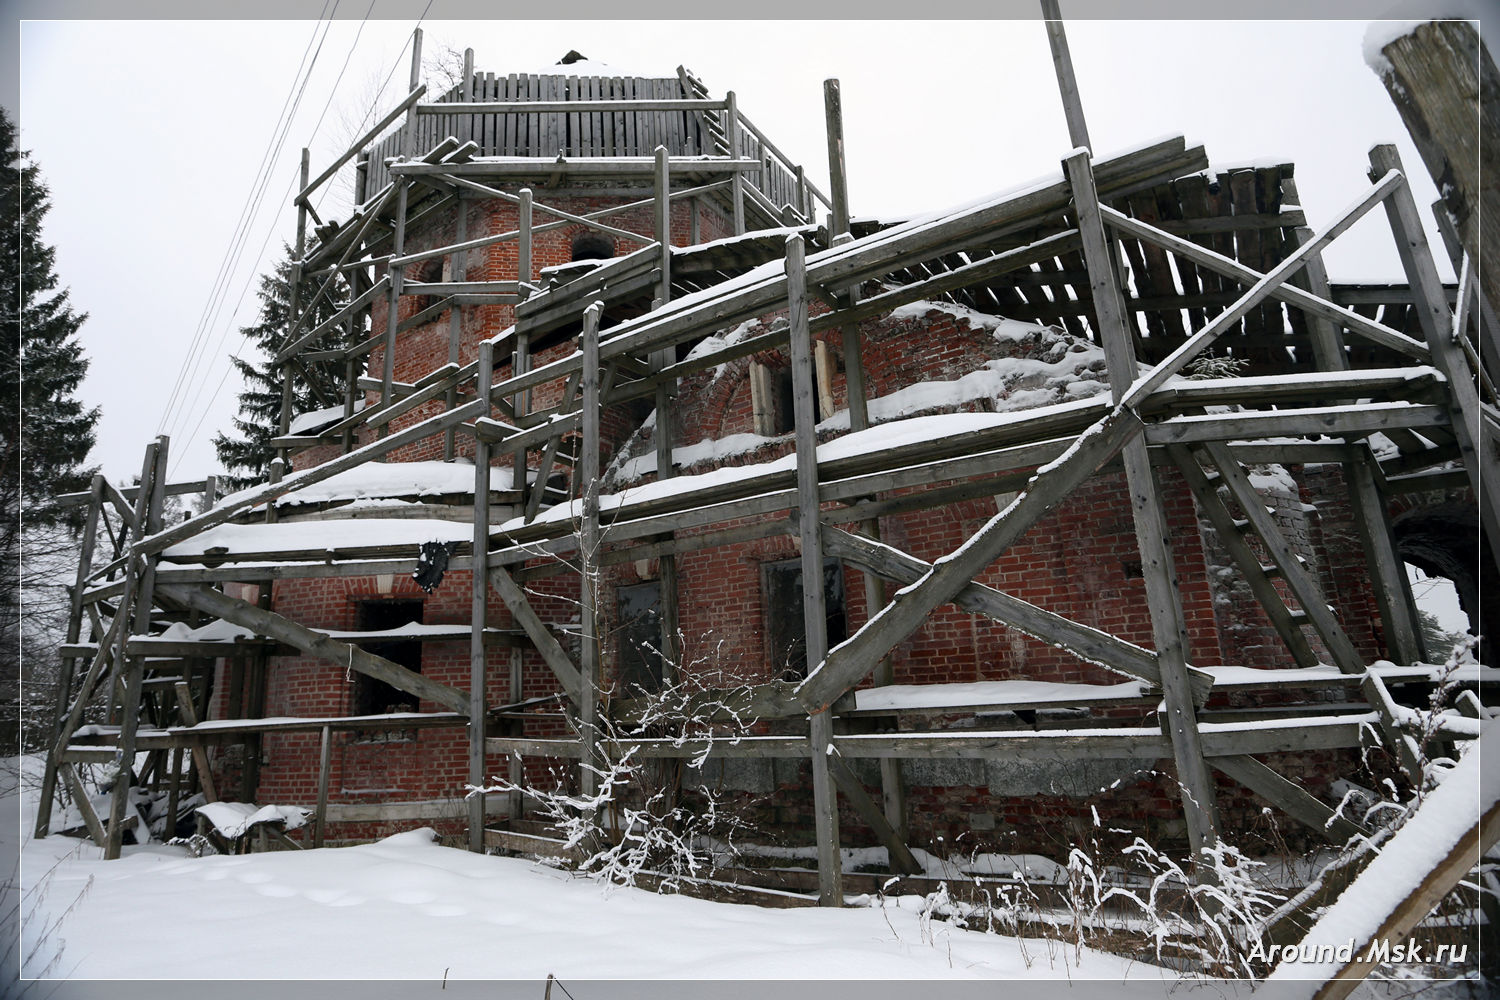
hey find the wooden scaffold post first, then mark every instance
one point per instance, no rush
(1169, 631)
(814, 611)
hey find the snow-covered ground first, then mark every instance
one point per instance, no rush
(421, 919)
(407, 908)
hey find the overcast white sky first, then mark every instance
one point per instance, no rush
(151, 133)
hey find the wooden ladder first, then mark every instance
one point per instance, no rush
(717, 140)
(1283, 563)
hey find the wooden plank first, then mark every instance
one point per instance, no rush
(67, 669)
(84, 806)
(902, 861)
(1222, 739)
(189, 715)
(138, 603)
(1448, 852)
(1067, 83)
(320, 813)
(553, 655)
(1289, 797)
(478, 610)
(1393, 595)
(317, 644)
(814, 613)
(588, 541)
(573, 140)
(1309, 422)
(1248, 561)
(358, 144)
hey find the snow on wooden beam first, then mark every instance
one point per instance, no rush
(316, 644)
(1441, 842)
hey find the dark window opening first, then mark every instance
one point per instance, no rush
(427, 271)
(786, 629)
(593, 246)
(771, 399)
(640, 637)
(783, 417)
(370, 696)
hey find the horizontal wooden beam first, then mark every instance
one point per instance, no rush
(221, 731)
(565, 107)
(615, 166)
(1310, 422)
(1325, 733)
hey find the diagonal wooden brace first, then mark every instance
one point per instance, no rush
(556, 657)
(1083, 641)
(902, 861)
(1289, 797)
(317, 644)
(849, 662)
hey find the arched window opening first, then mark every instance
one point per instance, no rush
(1441, 542)
(593, 246)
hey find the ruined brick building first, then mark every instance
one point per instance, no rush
(687, 383)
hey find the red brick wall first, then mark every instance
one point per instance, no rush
(1080, 561)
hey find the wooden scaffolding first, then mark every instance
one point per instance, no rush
(1145, 253)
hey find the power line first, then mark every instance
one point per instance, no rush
(203, 320)
(244, 233)
(370, 111)
(202, 356)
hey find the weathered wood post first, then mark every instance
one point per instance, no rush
(736, 178)
(521, 356)
(588, 555)
(1445, 85)
(455, 312)
(666, 391)
(320, 817)
(398, 242)
(892, 782)
(478, 659)
(153, 493)
(66, 667)
(1398, 612)
(814, 610)
(397, 273)
(295, 278)
(1067, 83)
(1476, 446)
(1169, 631)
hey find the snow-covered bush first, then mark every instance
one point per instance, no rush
(647, 817)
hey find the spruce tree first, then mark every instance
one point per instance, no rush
(247, 454)
(45, 431)
(44, 451)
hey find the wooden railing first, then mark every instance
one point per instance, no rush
(526, 115)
